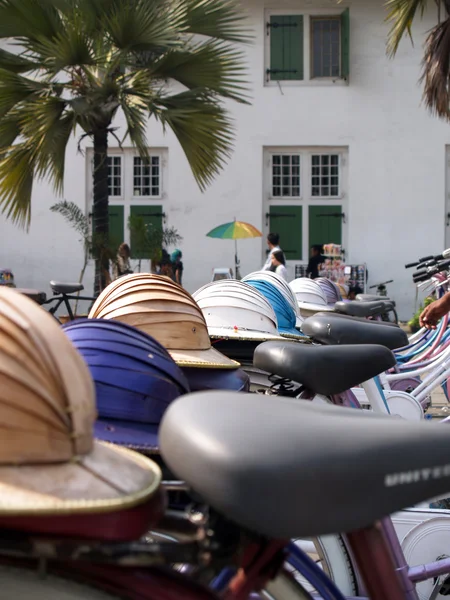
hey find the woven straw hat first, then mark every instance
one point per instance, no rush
(49, 461)
(163, 309)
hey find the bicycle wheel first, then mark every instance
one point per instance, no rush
(330, 553)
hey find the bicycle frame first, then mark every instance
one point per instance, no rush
(64, 299)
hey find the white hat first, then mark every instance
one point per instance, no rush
(310, 296)
(237, 311)
(282, 286)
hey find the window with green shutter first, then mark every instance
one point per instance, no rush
(325, 225)
(286, 47)
(116, 226)
(345, 44)
(287, 222)
(152, 218)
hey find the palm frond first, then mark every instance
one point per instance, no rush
(16, 183)
(212, 65)
(203, 129)
(15, 88)
(401, 16)
(15, 63)
(74, 216)
(219, 19)
(10, 129)
(139, 25)
(436, 70)
(30, 19)
(134, 104)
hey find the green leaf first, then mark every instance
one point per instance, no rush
(14, 89)
(74, 216)
(31, 19)
(16, 183)
(213, 65)
(203, 129)
(220, 19)
(16, 63)
(401, 16)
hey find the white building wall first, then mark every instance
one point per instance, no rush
(396, 167)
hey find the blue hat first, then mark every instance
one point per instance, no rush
(235, 380)
(135, 379)
(286, 316)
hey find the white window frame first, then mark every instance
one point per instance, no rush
(307, 199)
(341, 164)
(307, 80)
(282, 198)
(122, 165)
(155, 196)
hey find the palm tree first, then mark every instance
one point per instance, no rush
(436, 62)
(71, 65)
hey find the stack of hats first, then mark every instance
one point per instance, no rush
(310, 296)
(330, 289)
(49, 461)
(135, 380)
(239, 318)
(161, 308)
(273, 288)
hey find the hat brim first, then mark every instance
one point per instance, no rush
(292, 334)
(205, 359)
(241, 334)
(311, 307)
(106, 480)
(131, 434)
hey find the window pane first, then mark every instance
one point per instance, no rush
(114, 175)
(146, 176)
(325, 47)
(286, 175)
(325, 178)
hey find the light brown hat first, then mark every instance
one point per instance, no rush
(163, 309)
(49, 461)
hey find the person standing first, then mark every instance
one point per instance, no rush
(177, 266)
(317, 258)
(273, 242)
(279, 264)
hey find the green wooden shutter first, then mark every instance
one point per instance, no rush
(152, 216)
(116, 226)
(324, 229)
(345, 44)
(287, 222)
(286, 47)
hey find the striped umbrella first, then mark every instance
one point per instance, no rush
(236, 230)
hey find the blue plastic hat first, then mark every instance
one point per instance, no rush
(135, 380)
(235, 380)
(286, 316)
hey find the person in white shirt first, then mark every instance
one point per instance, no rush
(273, 240)
(279, 264)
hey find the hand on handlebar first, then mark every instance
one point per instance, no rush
(433, 312)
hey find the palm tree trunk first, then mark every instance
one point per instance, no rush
(100, 215)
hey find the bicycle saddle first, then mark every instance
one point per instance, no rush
(66, 288)
(286, 468)
(360, 319)
(363, 309)
(331, 330)
(373, 298)
(323, 370)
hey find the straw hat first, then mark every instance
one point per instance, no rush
(163, 309)
(49, 461)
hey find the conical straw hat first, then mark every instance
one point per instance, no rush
(49, 461)
(160, 307)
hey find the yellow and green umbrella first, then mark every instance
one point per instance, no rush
(236, 230)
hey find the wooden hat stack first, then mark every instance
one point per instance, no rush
(49, 461)
(163, 309)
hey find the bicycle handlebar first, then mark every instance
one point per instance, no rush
(428, 261)
(424, 274)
